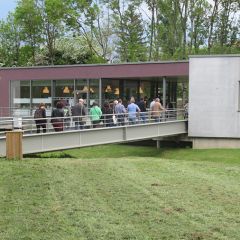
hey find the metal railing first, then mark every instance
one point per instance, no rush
(29, 125)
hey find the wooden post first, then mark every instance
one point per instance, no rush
(14, 145)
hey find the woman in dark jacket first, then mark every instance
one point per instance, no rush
(107, 115)
(40, 118)
(58, 117)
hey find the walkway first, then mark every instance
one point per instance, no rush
(51, 141)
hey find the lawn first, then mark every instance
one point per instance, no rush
(121, 192)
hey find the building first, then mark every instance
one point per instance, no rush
(211, 82)
(214, 101)
(23, 89)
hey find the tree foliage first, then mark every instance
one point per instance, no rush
(46, 32)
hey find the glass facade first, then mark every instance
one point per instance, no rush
(27, 95)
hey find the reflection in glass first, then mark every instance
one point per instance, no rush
(20, 97)
(64, 92)
(93, 91)
(81, 90)
(110, 90)
(41, 93)
(131, 89)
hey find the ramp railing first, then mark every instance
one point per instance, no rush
(30, 125)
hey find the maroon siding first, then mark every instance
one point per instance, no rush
(88, 71)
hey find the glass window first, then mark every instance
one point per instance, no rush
(20, 97)
(42, 93)
(63, 91)
(171, 93)
(81, 90)
(93, 91)
(145, 89)
(131, 89)
(182, 92)
(110, 90)
(88, 90)
(177, 91)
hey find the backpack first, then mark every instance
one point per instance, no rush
(38, 113)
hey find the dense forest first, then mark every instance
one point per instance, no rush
(55, 32)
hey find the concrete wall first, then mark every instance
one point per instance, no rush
(206, 143)
(214, 96)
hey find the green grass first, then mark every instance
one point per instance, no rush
(121, 192)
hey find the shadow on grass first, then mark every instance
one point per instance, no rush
(58, 154)
(103, 151)
(143, 151)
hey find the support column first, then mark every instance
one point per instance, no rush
(14, 145)
(158, 144)
(100, 92)
(88, 100)
(164, 91)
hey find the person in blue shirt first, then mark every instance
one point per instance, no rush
(132, 109)
(120, 112)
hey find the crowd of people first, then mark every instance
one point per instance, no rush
(111, 114)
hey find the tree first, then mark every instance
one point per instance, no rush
(83, 17)
(10, 42)
(226, 26)
(52, 13)
(130, 33)
(28, 17)
(69, 50)
(198, 30)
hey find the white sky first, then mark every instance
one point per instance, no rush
(6, 6)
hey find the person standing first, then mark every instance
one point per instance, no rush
(152, 103)
(156, 110)
(78, 112)
(95, 115)
(107, 112)
(132, 109)
(40, 118)
(58, 117)
(120, 112)
(143, 114)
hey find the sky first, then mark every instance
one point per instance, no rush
(9, 5)
(6, 6)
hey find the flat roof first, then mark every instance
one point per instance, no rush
(96, 71)
(94, 65)
(214, 56)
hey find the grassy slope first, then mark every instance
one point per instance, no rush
(122, 192)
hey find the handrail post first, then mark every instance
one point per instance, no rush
(14, 145)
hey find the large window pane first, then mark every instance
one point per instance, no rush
(145, 89)
(110, 90)
(88, 90)
(64, 92)
(20, 97)
(93, 91)
(171, 94)
(182, 92)
(81, 90)
(41, 93)
(131, 89)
